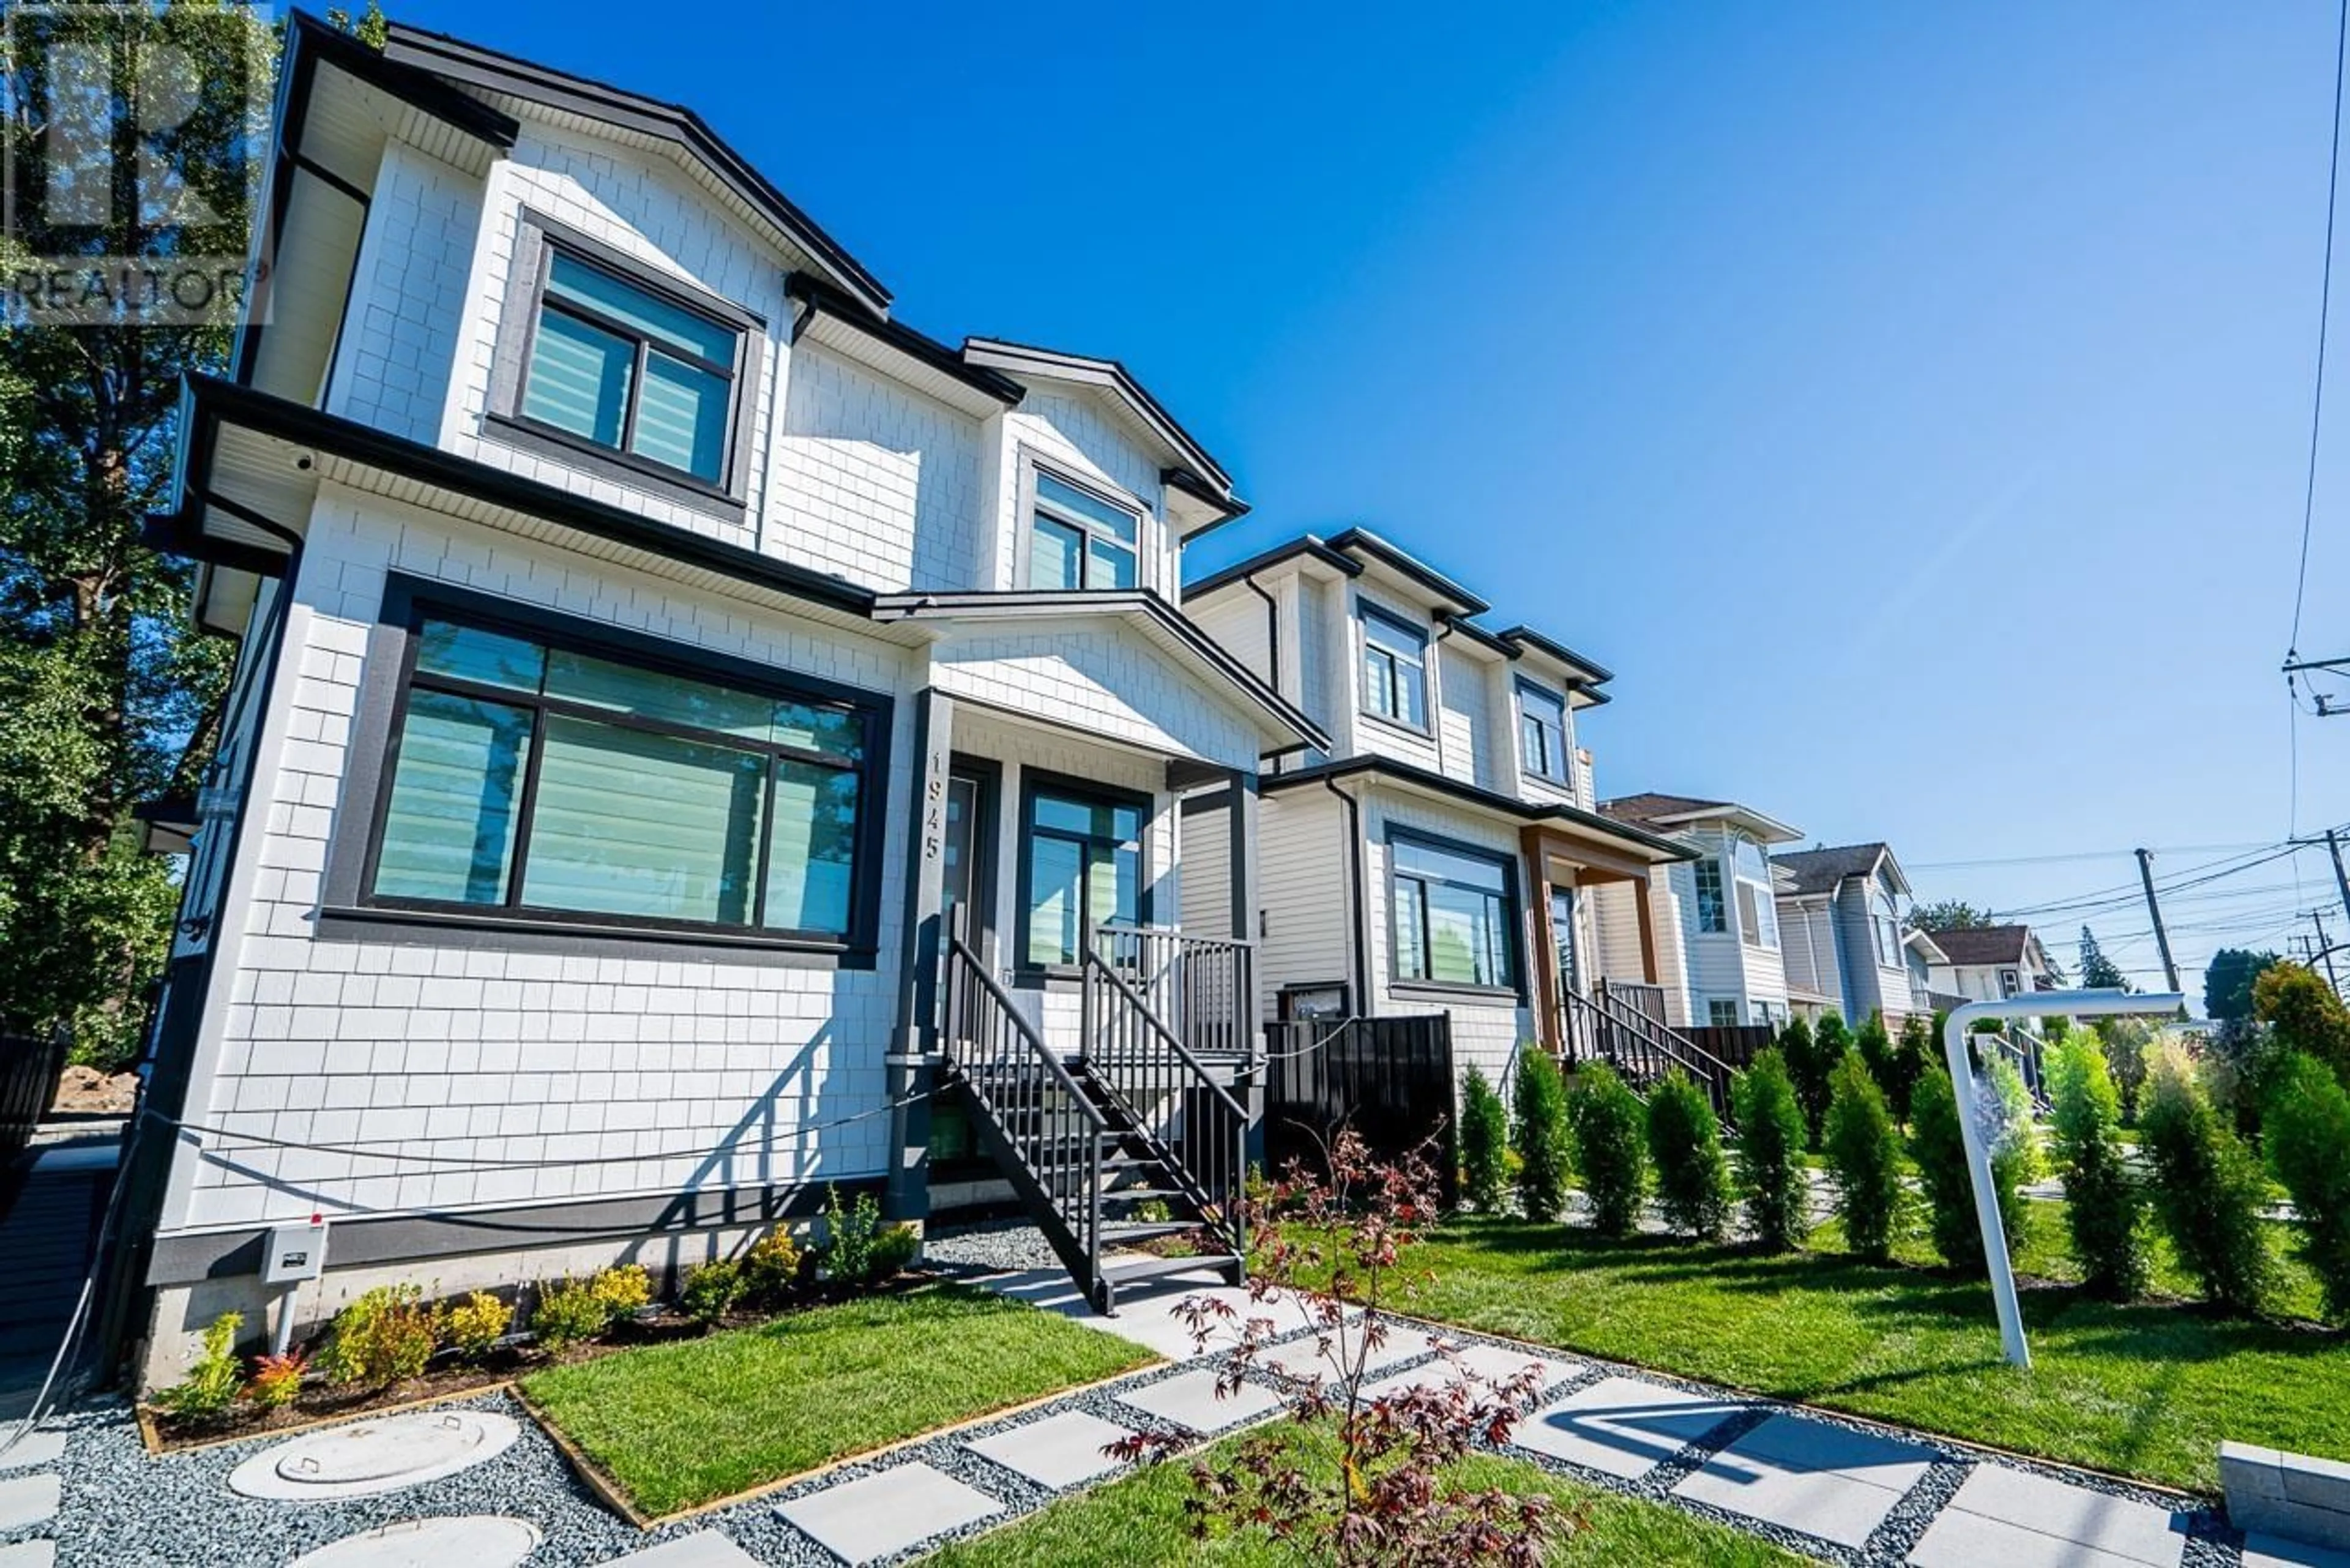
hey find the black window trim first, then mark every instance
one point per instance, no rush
(1513, 910)
(1031, 464)
(409, 601)
(1565, 774)
(558, 238)
(1368, 610)
(1035, 782)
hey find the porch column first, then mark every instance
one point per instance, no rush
(1546, 976)
(1240, 828)
(1649, 969)
(913, 1057)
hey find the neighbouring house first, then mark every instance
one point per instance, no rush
(1728, 900)
(1923, 952)
(1989, 963)
(667, 688)
(1443, 851)
(1840, 932)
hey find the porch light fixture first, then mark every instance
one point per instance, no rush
(2043, 1004)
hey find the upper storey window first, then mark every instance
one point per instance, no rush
(621, 365)
(1542, 733)
(1077, 539)
(1395, 669)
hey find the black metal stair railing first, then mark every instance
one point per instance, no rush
(1190, 1121)
(1604, 1029)
(1042, 1128)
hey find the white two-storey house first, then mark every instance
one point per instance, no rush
(1442, 852)
(1728, 900)
(685, 720)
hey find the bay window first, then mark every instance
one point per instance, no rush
(1455, 913)
(531, 777)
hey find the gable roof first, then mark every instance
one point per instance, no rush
(1819, 870)
(488, 70)
(1985, 944)
(1670, 812)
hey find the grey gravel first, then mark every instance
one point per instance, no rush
(994, 1247)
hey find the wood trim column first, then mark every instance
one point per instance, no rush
(1649, 967)
(1546, 976)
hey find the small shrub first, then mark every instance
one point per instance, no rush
(713, 1290)
(2208, 1189)
(894, 1252)
(568, 1313)
(1772, 1187)
(1484, 1133)
(771, 1269)
(214, 1377)
(384, 1337)
(849, 1231)
(1863, 1155)
(1914, 1054)
(625, 1289)
(277, 1380)
(1813, 1069)
(1938, 1147)
(1609, 1127)
(2124, 1042)
(2105, 1208)
(1685, 1147)
(2308, 1146)
(1538, 1106)
(475, 1326)
(1892, 1063)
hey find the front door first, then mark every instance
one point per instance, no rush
(970, 864)
(1562, 933)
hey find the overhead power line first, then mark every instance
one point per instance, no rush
(2294, 665)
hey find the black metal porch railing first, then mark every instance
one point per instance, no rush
(1047, 1132)
(28, 1081)
(1189, 1121)
(1604, 1028)
(1203, 988)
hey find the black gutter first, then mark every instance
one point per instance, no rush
(1230, 508)
(1307, 544)
(1476, 634)
(821, 298)
(1046, 360)
(1427, 576)
(417, 87)
(1471, 794)
(487, 68)
(211, 403)
(1593, 673)
(1359, 941)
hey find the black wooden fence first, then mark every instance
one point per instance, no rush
(28, 1081)
(1390, 1079)
(1736, 1044)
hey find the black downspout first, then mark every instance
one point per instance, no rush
(1359, 941)
(1272, 646)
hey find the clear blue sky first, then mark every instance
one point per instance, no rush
(1910, 405)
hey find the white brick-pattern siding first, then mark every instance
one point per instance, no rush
(401, 330)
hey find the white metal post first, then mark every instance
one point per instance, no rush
(2040, 1004)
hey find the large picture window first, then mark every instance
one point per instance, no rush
(531, 777)
(1758, 916)
(620, 365)
(1081, 867)
(1395, 669)
(1455, 914)
(1077, 539)
(1542, 733)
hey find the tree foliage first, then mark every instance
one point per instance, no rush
(1772, 1187)
(1609, 1130)
(1484, 1140)
(2209, 1191)
(2308, 1146)
(2099, 972)
(1864, 1158)
(1685, 1150)
(1948, 915)
(2228, 982)
(2105, 1208)
(1812, 1057)
(1538, 1133)
(2303, 1014)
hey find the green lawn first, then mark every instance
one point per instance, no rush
(2147, 1390)
(683, 1424)
(1138, 1523)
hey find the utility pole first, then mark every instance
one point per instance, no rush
(2341, 881)
(2324, 949)
(2161, 937)
(2327, 707)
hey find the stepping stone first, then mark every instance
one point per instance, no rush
(1622, 1427)
(2023, 1521)
(383, 1454)
(29, 1555)
(477, 1540)
(1303, 1357)
(702, 1549)
(1059, 1451)
(37, 1449)
(1489, 1365)
(1188, 1399)
(884, 1513)
(1828, 1481)
(2275, 1552)
(27, 1500)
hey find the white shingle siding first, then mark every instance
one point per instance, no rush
(401, 330)
(1303, 871)
(1206, 903)
(1464, 716)
(874, 482)
(477, 1055)
(1078, 432)
(1099, 676)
